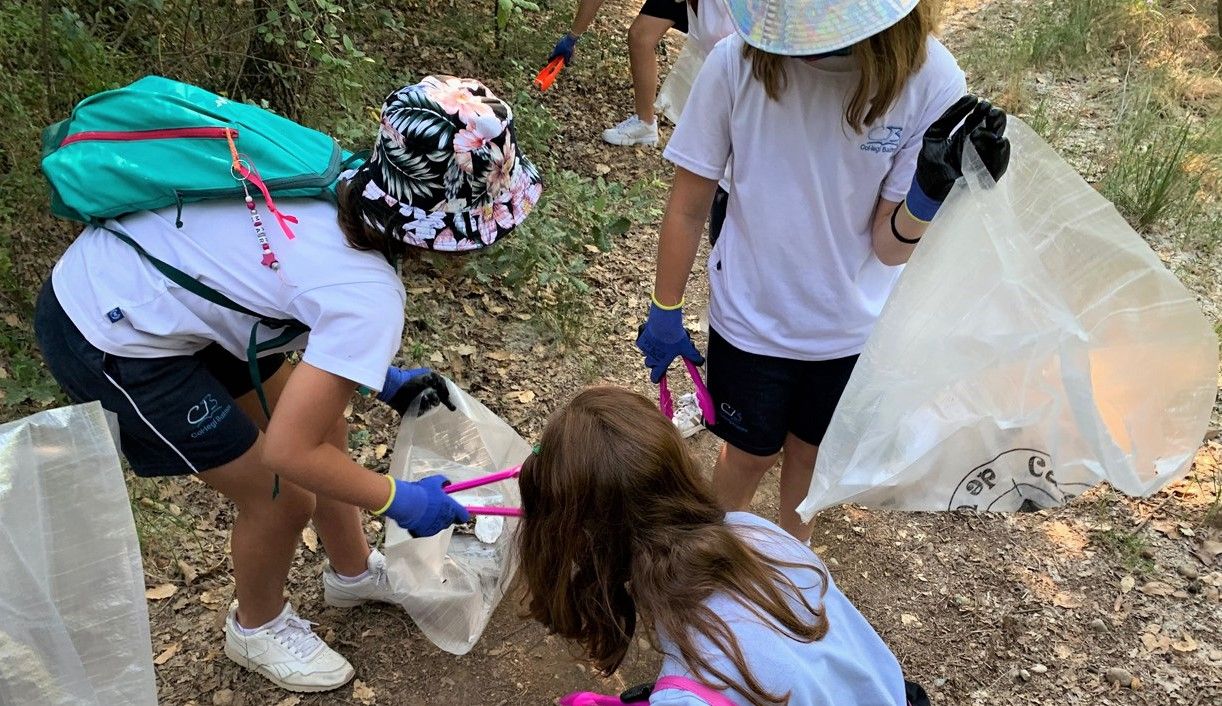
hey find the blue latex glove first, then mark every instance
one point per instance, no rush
(662, 338)
(403, 385)
(423, 508)
(564, 48)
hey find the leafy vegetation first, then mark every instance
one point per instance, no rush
(1160, 154)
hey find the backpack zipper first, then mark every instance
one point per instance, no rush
(213, 133)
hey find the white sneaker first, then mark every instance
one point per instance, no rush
(632, 132)
(687, 417)
(374, 586)
(287, 652)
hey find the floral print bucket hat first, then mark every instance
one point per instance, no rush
(445, 172)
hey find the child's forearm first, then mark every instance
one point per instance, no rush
(895, 233)
(686, 213)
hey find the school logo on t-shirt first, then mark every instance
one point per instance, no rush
(883, 139)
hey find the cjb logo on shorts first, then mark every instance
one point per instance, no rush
(206, 415)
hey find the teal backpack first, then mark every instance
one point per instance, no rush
(158, 143)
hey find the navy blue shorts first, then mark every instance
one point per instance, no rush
(671, 10)
(762, 399)
(177, 414)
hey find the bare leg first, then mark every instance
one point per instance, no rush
(338, 524)
(265, 533)
(797, 469)
(737, 475)
(643, 37)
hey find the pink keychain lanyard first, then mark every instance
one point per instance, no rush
(667, 404)
(497, 477)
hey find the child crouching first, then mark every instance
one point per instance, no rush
(621, 531)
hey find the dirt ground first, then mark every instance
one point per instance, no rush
(1108, 601)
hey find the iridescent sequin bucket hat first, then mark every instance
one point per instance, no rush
(810, 27)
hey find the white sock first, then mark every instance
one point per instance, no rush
(352, 579)
(247, 632)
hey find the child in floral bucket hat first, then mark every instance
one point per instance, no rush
(445, 173)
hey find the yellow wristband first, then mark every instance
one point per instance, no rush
(389, 500)
(913, 215)
(663, 307)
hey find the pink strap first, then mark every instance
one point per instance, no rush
(282, 218)
(494, 510)
(703, 398)
(709, 695)
(484, 480)
(665, 402)
(589, 698)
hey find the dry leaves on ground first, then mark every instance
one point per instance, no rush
(162, 592)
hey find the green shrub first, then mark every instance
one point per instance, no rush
(1147, 177)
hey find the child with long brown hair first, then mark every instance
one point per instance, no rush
(620, 532)
(838, 118)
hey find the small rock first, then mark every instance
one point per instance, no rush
(1024, 675)
(1147, 552)
(1097, 625)
(1038, 668)
(1188, 571)
(223, 697)
(1015, 674)
(939, 682)
(1118, 675)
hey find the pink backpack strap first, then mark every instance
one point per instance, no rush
(710, 696)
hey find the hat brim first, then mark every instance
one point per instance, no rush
(809, 27)
(470, 229)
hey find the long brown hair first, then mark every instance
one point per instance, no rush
(619, 523)
(886, 61)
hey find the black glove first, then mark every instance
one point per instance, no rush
(403, 386)
(940, 162)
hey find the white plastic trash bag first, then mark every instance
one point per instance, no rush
(450, 583)
(1033, 347)
(672, 96)
(73, 623)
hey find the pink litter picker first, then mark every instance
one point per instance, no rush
(667, 404)
(489, 479)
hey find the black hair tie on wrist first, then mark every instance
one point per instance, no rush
(896, 233)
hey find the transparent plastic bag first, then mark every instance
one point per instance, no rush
(74, 627)
(1033, 347)
(450, 583)
(672, 96)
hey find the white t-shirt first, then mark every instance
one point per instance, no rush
(351, 300)
(793, 274)
(849, 666)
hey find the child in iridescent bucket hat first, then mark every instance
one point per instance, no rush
(445, 174)
(839, 119)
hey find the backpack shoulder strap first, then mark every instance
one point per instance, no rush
(711, 696)
(189, 283)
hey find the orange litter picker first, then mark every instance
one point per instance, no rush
(547, 75)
